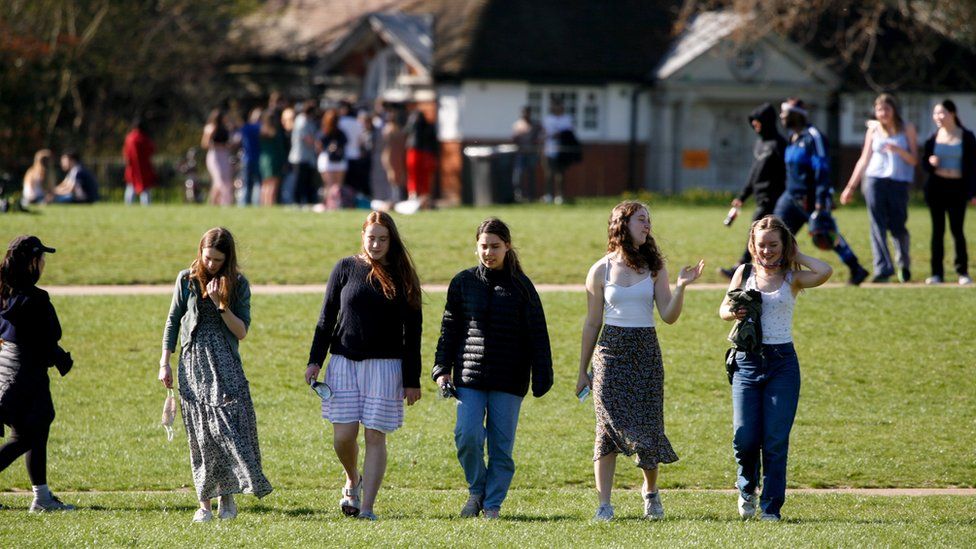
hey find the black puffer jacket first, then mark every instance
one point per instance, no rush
(494, 335)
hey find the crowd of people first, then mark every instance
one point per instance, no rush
(340, 156)
(791, 180)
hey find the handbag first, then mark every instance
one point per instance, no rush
(730, 365)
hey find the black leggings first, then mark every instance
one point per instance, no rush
(28, 438)
(947, 197)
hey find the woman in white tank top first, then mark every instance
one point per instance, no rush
(628, 374)
(766, 385)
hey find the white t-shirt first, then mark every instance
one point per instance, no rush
(553, 124)
(352, 128)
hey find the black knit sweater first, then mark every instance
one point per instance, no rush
(369, 324)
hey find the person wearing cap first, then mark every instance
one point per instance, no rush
(29, 335)
(808, 185)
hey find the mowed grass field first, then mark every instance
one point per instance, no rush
(886, 399)
(114, 244)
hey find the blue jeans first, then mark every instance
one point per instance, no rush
(765, 393)
(252, 181)
(790, 209)
(888, 210)
(501, 411)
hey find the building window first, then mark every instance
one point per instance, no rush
(591, 111)
(584, 105)
(394, 68)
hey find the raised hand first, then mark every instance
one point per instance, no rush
(689, 274)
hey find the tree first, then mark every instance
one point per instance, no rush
(73, 72)
(882, 44)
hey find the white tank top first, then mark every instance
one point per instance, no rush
(777, 310)
(628, 306)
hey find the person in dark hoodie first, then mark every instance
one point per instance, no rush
(493, 339)
(30, 331)
(767, 177)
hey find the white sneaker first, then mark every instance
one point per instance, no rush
(747, 507)
(53, 504)
(557, 200)
(768, 517)
(964, 280)
(227, 509)
(202, 515)
(472, 507)
(653, 509)
(547, 199)
(604, 512)
(933, 280)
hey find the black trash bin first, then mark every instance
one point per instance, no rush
(487, 175)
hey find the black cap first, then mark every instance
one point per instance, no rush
(29, 244)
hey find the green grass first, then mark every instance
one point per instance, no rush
(535, 518)
(877, 409)
(113, 244)
(886, 398)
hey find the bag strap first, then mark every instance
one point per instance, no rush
(746, 273)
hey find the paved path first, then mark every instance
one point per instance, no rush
(880, 492)
(278, 289)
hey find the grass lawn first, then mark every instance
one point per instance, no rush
(534, 518)
(886, 398)
(878, 409)
(113, 244)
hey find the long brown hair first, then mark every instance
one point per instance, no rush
(19, 271)
(221, 240)
(890, 100)
(512, 265)
(330, 122)
(647, 255)
(790, 249)
(399, 264)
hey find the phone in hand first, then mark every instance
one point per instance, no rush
(581, 395)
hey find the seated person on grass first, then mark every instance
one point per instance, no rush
(79, 185)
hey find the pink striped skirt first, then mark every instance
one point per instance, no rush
(365, 391)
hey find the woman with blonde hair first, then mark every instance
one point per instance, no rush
(766, 384)
(210, 314)
(216, 141)
(35, 178)
(627, 379)
(371, 323)
(887, 166)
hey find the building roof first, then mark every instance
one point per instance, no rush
(702, 34)
(535, 40)
(410, 35)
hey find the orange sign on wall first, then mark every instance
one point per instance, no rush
(694, 159)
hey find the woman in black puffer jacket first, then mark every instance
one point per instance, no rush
(29, 330)
(493, 342)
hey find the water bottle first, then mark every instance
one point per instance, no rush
(730, 217)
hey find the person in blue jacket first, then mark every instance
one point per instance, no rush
(808, 186)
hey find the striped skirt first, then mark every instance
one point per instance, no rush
(365, 391)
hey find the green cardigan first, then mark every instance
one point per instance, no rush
(183, 312)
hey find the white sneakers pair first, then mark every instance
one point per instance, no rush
(653, 508)
(227, 510)
(964, 280)
(747, 509)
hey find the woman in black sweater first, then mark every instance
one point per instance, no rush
(371, 321)
(493, 340)
(30, 331)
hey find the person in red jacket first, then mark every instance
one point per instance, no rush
(139, 173)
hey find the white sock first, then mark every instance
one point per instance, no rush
(42, 492)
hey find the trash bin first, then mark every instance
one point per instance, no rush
(487, 175)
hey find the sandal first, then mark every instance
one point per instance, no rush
(350, 499)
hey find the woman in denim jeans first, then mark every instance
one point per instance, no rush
(766, 385)
(493, 340)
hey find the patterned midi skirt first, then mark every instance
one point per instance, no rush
(628, 396)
